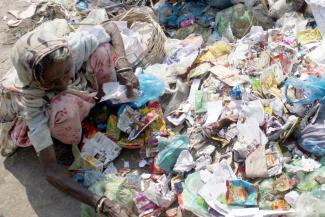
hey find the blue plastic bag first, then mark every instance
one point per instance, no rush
(168, 156)
(221, 4)
(312, 89)
(151, 88)
(173, 15)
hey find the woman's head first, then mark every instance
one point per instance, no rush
(42, 59)
(53, 71)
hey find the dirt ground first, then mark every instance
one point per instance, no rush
(23, 188)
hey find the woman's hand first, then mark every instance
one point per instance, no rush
(127, 78)
(115, 210)
(131, 82)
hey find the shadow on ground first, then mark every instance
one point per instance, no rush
(25, 191)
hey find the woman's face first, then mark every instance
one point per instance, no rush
(58, 75)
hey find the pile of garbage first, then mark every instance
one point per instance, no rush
(230, 122)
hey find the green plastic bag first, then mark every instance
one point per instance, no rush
(190, 196)
(168, 156)
(238, 17)
(201, 99)
(312, 180)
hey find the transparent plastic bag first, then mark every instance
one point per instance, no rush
(311, 204)
(237, 17)
(304, 92)
(312, 180)
(190, 197)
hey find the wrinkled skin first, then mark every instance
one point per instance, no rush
(57, 76)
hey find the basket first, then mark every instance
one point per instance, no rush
(155, 47)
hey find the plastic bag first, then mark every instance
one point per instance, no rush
(312, 180)
(309, 205)
(167, 158)
(237, 17)
(151, 88)
(309, 90)
(190, 197)
(241, 193)
(184, 13)
(184, 162)
(266, 194)
(220, 4)
(214, 51)
(309, 36)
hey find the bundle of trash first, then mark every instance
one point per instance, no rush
(229, 123)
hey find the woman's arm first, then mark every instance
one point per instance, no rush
(58, 177)
(126, 77)
(117, 43)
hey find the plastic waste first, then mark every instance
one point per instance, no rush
(214, 51)
(180, 14)
(241, 193)
(184, 162)
(312, 180)
(167, 157)
(318, 9)
(291, 198)
(309, 90)
(190, 197)
(303, 165)
(151, 88)
(162, 197)
(262, 17)
(88, 177)
(312, 137)
(309, 36)
(220, 4)
(309, 206)
(214, 191)
(202, 162)
(266, 194)
(255, 164)
(237, 17)
(279, 8)
(82, 5)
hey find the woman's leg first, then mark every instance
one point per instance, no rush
(19, 133)
(7, 122)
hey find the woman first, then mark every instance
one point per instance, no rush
(51, 89)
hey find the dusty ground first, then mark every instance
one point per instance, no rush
(23, 189)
